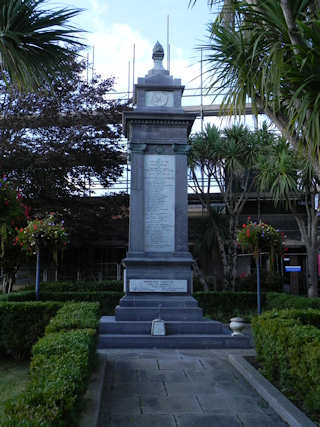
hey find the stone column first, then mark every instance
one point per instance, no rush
(158, 261)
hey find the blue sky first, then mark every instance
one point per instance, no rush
(115, 25)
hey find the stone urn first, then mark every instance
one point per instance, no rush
(237, 324)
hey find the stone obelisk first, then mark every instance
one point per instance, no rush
(158, 310)
(158, 264)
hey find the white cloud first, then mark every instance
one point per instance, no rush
(114, 49)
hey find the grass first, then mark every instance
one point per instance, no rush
(13, 379)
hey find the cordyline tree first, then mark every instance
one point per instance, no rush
(34, 42)
(76, 138)
(226, 160)
(268, 54)
(287, 173)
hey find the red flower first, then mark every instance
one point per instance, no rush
(35, 227)
(248, 232)
(243, 225)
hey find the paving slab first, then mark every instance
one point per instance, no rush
(180, 388)
(175, 404)
(142, 421)
(192, 420)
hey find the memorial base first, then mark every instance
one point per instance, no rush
(158, 274)
(149, 307)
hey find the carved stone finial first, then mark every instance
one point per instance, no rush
(157, 56)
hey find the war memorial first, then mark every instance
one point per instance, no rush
(158, 309)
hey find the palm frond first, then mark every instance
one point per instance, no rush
(34, 42)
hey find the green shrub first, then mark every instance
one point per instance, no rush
(59, 372)
(107, 299)
(22, 324)
(53, 393)
(62, 342)
(224, 305)
(282, 300)
(303, 316)
(80, 286)
(75, 316)
(18, 296)
(288, 344)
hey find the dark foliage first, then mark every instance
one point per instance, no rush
(22, 324)
(54, 141)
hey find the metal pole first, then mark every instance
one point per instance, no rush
(168, 44)
(38, 274)
(133, 66)
(258, 284)
(128, 80)
(87, 67)
(201, 91)
(92, 69)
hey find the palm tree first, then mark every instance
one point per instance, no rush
(34, 43)
(271, 56)
(286, 173)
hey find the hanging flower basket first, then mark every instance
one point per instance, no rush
(256, 238)
(42, 233)
(259, 237)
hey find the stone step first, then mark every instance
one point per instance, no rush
(158, 300)
(108, 325)
(172, 341)
(150, 313)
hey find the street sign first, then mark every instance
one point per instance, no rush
(293, 268)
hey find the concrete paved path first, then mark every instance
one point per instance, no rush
(179, 388)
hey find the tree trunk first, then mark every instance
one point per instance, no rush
(232, 255)
(200, 276)
(309, 237)
(8, 281)
(312, 276)
(292, 27)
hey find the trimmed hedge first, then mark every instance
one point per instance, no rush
(108, 300)
(281, 300)
(80, 286)
(288, 344)
(22, 324)
(75, 316)
(60, 369)
(224, 305)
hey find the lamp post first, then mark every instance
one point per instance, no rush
(38, 272)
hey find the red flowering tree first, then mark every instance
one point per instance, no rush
(257, 237)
